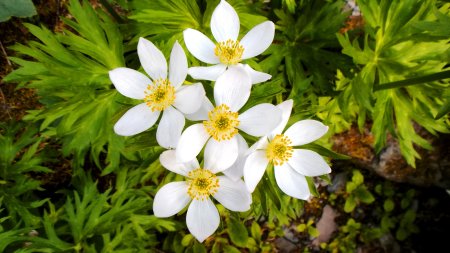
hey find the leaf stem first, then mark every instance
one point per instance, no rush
(412, 81)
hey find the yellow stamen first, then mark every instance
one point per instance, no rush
(159, 95)
(222, 123)
(229, 52)
(278, 150)
(202, 184)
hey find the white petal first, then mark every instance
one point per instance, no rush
(236, 171)
(286, 108)
(169, 161)
(260, 144)
(256, 76)
(258, 39)
(220, 155)
(233, 195)
(178, 66)
(191, 142)
(202, 112)
(200, 46)
(129, 82)
(170, 199)
(305, 131)
(260, 119)
(291, 182)
(189, 98)
(210, 73)
(233, 88)
(254, 169)
(308, 163)
(136, 120)
(202, 219)
(169, 128)
(224, 22)
(152, 59)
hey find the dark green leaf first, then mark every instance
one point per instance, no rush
(325, 152)
(18, 8)
(364, 195)
(388, 205)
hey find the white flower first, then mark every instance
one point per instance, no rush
(235, 172)
(158, 93)
(202, 217)
(291, 165)
(228, 51)
(221, 124)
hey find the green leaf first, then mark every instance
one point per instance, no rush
(325, 152)
(387, 223)
(401, 234)
(444, 110)
(187, 239)
(301, 228)
(263, 93)
(313, 232)
(350, 204)
(267, 188)
(255, 230)
(388, 205)
(18, 8)
(364, 195)
(165, 20)
(237, 232)
(198, 248)
(357, 177)
(413, 81)
(231, 249)
(350, 187)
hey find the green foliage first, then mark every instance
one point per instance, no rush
(401, 40)
(395, 48)
(70, 73)
(357, 192)
(165, 19)
(237, 231)
(306, 40)
(18, 8)
(309, 228)
(395, 217)
(20, 156)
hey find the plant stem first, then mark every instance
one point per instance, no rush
(412, 81)
(6, 55)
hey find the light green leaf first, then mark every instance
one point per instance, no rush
(237, 232)
(350, 204)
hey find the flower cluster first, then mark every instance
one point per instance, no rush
(217, 126)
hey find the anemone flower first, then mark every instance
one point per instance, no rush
(290, 165)
(221, 124)
(159, 94)
(228, 51)
(202, 217)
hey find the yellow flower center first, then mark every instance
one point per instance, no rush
(159, 95)
(229, 52)
(222, 123)
(278, 150)
(202, 184)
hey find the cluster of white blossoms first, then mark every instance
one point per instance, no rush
(230, 170)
